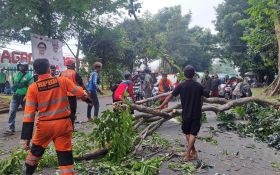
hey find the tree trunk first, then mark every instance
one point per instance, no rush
(78, 52)
(274, 88)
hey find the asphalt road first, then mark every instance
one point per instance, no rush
(232, 155)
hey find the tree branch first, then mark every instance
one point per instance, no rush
(159, 117)
(69, 48)
(152, 98)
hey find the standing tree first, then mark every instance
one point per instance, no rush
(263, 35)
(230, 33)
(61, 19)
(78, 18)
(108, 46)
(183, 44)
(232, 24)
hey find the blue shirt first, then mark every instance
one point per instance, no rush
(93, 83)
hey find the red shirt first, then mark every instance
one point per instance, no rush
(122, 88)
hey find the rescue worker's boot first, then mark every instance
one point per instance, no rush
(28, 169)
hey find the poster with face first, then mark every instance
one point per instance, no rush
(51, 49)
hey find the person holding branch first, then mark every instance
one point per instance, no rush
(191, 93)
(165, 85)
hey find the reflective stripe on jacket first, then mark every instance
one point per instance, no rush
(71, 75)
(48, 97)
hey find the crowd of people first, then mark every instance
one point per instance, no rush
(53, 99)
(239, 87)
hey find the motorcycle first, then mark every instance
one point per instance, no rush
(228, 91)
(222, 90)
(247, 92)
(138, 92)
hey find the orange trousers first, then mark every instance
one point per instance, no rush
(58, 131)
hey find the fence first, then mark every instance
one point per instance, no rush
(11, 71)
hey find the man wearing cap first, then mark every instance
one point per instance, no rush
(21, 81)
(72, 75)
(191, 93)
(47, 101)
(2, 80)
(93, 88)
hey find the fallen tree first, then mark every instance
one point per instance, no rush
(155, 118)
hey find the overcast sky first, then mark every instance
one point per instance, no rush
(203, 11)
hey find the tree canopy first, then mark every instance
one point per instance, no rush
(243, 41)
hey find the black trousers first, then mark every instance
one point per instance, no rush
(2, 87)
(73, 107)
(95, 103)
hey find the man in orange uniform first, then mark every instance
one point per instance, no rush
(48, 96)
(165, 85)
(72, 75)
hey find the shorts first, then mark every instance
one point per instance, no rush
(191, 126)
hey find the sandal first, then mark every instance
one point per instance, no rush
(9, 132)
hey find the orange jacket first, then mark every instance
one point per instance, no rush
(48, 96)
(165, 85)
(71, 75)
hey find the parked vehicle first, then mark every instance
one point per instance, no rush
(228, 91)
(138, 92)
(247, 92)
(222, 90)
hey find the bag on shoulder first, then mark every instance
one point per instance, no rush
(18, 85)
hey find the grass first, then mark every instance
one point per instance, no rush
(258, 92)
(209, 139)
(6, 97)
(4, 101)
(275, 165)
(107, 93)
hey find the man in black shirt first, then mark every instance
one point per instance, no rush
(191, 93)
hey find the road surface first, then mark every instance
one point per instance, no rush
(232, 155)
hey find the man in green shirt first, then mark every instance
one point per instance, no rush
(21, 81)
(2, 80)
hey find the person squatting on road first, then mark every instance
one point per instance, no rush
(165, 85)
(191, 93)
(124, 89)
(21, 80)
(48, 96)
(72, 75)
(93, 88)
